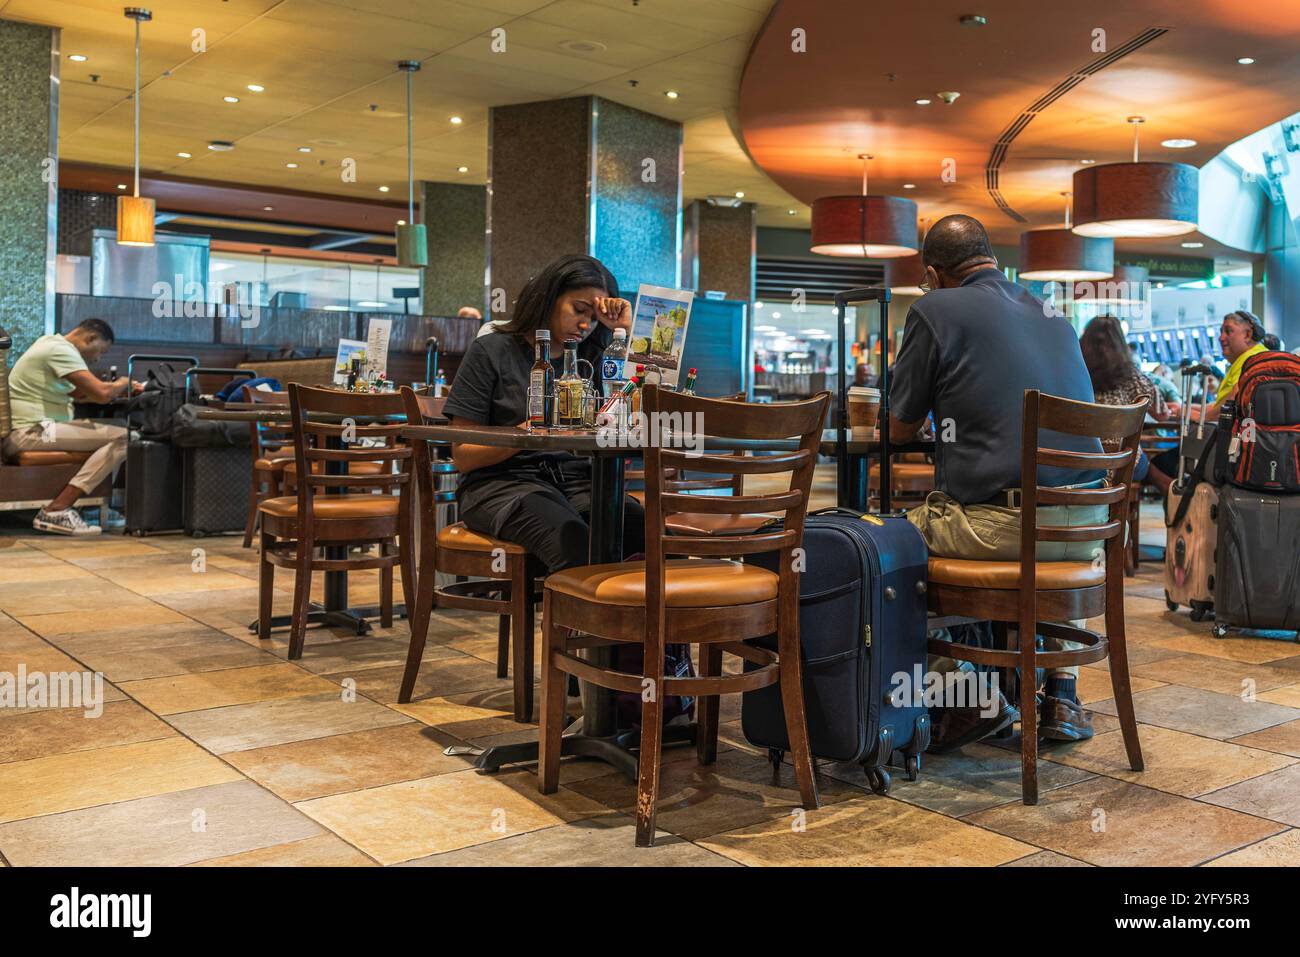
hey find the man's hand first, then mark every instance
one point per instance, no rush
(615, 313)
(137, 388)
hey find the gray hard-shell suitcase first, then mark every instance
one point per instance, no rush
(1257, 576)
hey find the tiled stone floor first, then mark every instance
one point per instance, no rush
(213, 749)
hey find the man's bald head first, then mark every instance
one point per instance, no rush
(956, 243)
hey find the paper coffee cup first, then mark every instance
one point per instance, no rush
(864, 409)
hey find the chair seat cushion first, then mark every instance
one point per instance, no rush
(689, 583)
(1052, 576)
(51, 458)
(274, 463)
(458, 536)
(704, 523)
(333, 507)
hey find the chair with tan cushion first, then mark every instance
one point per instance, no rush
(911, 476)
(329, 509)
(711, 601)
(1061, 591)
(272, 447)
(505, 586)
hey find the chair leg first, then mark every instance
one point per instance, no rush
(706, 729)
(301, 598)
(254, 487)
(555, 687)
(385, 593)
(1119, 677)
(796, 719)
(418, 615)
(406, 559)
(521, 627)
(1028, 714)
(503, 645)
(651, 751)
(265, 588)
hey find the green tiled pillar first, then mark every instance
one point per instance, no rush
(29, 70)
(455, 216)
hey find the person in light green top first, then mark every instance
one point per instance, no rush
(42, 386)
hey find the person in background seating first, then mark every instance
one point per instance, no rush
(971, 347)
(1163, 377)
(42, 386)
(1240, 337)
(1273, 343)
(1117, 381)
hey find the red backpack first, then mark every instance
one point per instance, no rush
(1264, 449)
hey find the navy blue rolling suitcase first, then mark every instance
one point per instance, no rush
(862, 623)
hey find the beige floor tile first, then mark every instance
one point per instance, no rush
(218, 689)
(350, 653)
(605, 841)
(53, 597)
(156, 581)
(1282, 738)
(440, 677)
(1216, 674)
(1108, 822)
(1176, 762)
(1283, 850)
(1288, 696)
(162, 650)
(51, 731)
(402, 822)
(282, 720)
(324, 850)
(1274, 796)
(1137, 654)
(1046, 859)
(65, 782)
(34, 571)
(1094, 685)
(866, 832)
(1233, 648)
(1202, 712)
(104, 547)
(66, 622)
(318, 767)
(160, 831)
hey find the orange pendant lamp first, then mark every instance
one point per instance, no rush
(135, 213)
(1136, 199)
(870, 227)
(1059, 254)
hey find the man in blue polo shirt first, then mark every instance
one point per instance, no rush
(971, 347)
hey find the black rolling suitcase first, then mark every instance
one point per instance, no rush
(1257, 575)
(153, 484)
(862, 625)
(217, 464)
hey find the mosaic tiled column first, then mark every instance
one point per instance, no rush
(456, 216)
(29, 70)
(719, 253)
(583, 175)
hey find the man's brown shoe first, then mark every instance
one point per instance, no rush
(951, 728)
(1063, 719)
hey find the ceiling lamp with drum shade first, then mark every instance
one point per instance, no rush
(1126, 287)
(1059, 254)
(871, 227)
(412, 245)
(1136, 199)
(135, 213)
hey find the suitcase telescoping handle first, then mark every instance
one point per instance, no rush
(198, 370)
(1203, 372)
(878, 294)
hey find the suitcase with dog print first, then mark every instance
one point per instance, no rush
(862, 635)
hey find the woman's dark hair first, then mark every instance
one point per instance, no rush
(537, 299)
(1105, 353)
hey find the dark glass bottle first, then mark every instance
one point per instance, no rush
(541, 383)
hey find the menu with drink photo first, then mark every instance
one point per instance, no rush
(659, 324)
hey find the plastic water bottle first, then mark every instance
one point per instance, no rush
(440, 384)
(611, 364)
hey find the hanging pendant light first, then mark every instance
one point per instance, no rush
(1060, 254)
(872, 227)
(135, 213)
(1136, 199)
(412, 245)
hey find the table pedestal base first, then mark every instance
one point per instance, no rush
(350, 618)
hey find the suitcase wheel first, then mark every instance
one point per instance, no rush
(197, 533)
(1220, 631)
(878, 779)
(774, 757)
(913, 766)
(1170, 603)
(1199, 610)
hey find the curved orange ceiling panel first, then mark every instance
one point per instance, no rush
(806, 116)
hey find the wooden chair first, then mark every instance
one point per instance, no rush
(912, 478)
(715, 603)
(459, 551)
(272, 445)
(1061, 590)
(1152, 443)
(294, 525)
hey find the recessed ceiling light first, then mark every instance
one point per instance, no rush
(923, 101)
(231, 99)
(740, 194)
(77, 58)
(1087, 162)
(776, 315)
(1245, 60)
(909, 186)
(758, 305)
(291, 165)
(121, 185)
(455, 121)
(255, 88)
(1160, 285)
(304, 149)
(401, 222)
(183, 155)
(671, 94)
(1192, 245)
(268, 208)
(791, 212)
(383, 189)
(372, 304)
(1178, 144)
(462, 169)
(221, 146)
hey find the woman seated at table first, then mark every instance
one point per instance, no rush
(1116, 380)
(540, 500)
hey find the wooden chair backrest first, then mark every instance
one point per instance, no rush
(267, 437)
